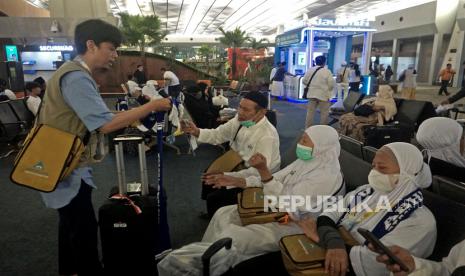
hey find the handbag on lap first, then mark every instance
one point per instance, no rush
(302, 256)
(250, 205)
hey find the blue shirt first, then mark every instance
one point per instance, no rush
(81, 94)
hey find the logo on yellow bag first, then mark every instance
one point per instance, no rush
(37, 169)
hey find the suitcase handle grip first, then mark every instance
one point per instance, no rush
(212, 250)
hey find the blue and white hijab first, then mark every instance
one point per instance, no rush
(404, 199)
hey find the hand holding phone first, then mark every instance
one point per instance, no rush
(382, 249)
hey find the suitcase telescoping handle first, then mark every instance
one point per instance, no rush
(120, 163)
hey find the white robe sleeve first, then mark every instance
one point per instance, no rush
(455, 259)
(223, 133)
(416, 234)
(266, 146)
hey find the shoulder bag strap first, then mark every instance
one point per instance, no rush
(311, 78)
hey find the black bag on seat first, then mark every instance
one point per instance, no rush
(364, 110)
(378, 136)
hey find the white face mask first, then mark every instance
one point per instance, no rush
(382, 182)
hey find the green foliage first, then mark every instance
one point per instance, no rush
(141, 31)
(233, 39)
(205, 51)
(257, 44)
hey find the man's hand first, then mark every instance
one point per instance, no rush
(400, 253)
(336, 262)
(190, 128)
(258, 161)
(161, 105)
(220, 180)
(310, 228)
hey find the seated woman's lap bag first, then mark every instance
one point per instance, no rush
(251, 208)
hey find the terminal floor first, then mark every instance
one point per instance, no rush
(28, 230)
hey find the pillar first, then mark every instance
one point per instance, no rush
(366, 54)
(395, 57)
(435, 55)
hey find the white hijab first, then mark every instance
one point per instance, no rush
(325, 156)
(441, 137)
(414, 174)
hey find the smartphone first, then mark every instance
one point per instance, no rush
(381, 248)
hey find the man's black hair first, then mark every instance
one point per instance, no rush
(31, 85)
(448, 64)
(320, 60)
(202, 86)
(163, 69)
(39, 80)
(97, 30)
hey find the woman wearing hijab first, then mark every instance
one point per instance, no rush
(384, 110)
(444, 141)
(315, 172)
(397, 177)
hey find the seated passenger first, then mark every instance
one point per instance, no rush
(198, 107)
(247, 133)
(33, 101)
(4, 91)
(454, 264)
(151, 90)
(444, 141)
(397, 177)
(384, 110)
(316, 172)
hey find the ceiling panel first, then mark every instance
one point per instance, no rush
(256, 17)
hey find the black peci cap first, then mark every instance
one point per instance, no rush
(258, 98)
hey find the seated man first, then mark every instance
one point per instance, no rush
(33, 101)
(247, 133)
(454, 264)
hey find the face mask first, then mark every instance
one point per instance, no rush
(304, 153)
(382, 182)
(248, 123)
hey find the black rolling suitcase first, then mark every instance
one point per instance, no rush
(128, 223)
(378, 136)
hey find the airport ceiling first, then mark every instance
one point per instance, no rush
(256, 17)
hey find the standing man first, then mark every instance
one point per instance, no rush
(248, 133)
(446, 76)
(409, 83)
(320, 83)
(171, 83)
(139, 75)
(73, 104)
(342, 80)
(272, 73)
(460, 94)
(277, 88)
